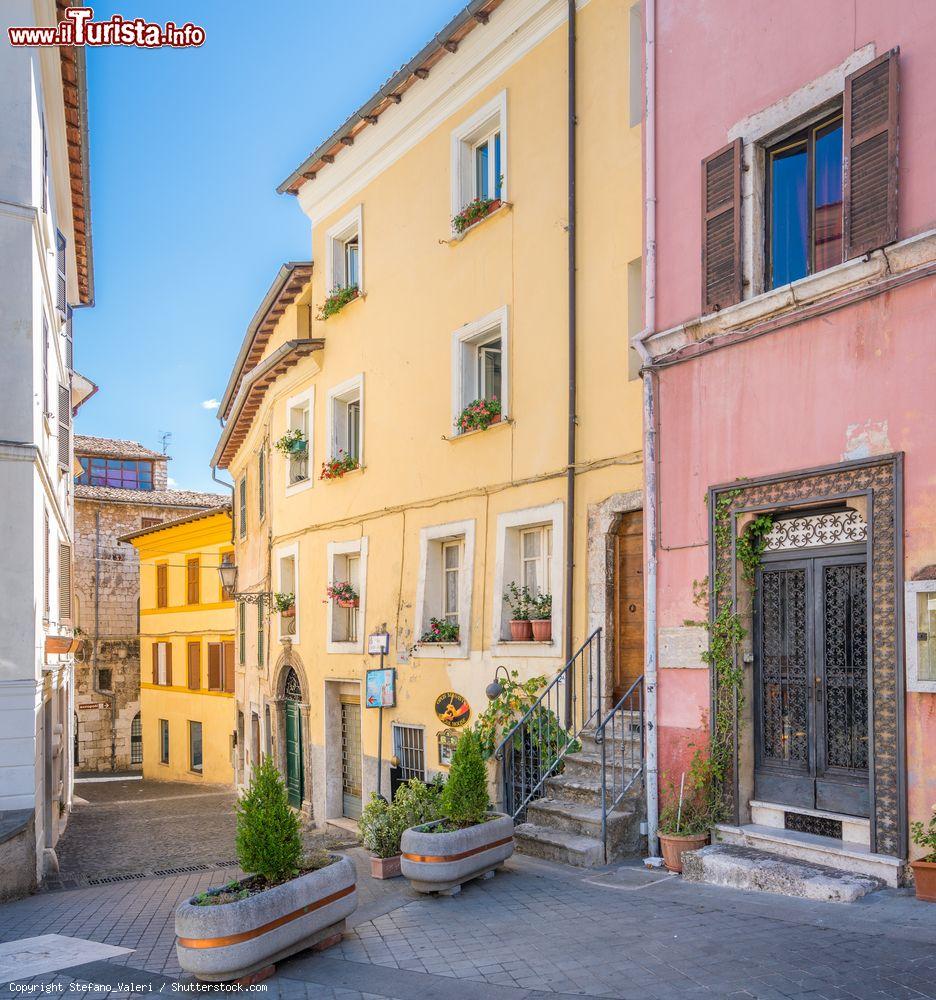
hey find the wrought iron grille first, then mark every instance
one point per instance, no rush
(835, 528)
(292, 690)
(821, 826)
(136, 740)
(410, 749)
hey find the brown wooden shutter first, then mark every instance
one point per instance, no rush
(192, 570)
(162, 586)
(64, 422)
(168, 664)
(61, 287)
(870, 156)
(194, 666)
(228, 666)
(214, 666)
(65, 584)
(155, 662)
(721, 228)
(45, 564)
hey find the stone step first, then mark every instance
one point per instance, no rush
(813, 850)
(585, 821)
(558, 845)
(568, 787)
(747, 868)
(587, 739)
(586, 766)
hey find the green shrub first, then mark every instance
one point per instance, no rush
(465, 795)
(268, 841)
(380, 828)
(416, 802)
(701, 806)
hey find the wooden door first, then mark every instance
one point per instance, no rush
(629, 603)
(294, 770)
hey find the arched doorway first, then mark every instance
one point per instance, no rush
(295, 779)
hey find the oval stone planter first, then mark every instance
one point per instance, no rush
(440, 862)
(231, 940)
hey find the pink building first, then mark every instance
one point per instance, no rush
(792, 348)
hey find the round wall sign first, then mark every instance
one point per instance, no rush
(452, 709)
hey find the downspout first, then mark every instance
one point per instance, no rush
(229, 486)
(651, 502)
(570, 466)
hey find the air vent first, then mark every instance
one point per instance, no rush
(819, 826)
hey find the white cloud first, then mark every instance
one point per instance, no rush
(171, 483)
(210, 404)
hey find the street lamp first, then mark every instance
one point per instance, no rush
(495, 689)
(228, 574)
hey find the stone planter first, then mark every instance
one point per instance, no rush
(442, 862)
(233, 940)
(542, 629)
(924, 880)
(521, 630)
(385, 867)
(674, 846)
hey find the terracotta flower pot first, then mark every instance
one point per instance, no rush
(673, 847)
(289, 612)
(385, 867)
(521, 630)
(347, 602)
(542, 629)
(924, 879)
(496, 419)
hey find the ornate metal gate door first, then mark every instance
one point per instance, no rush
(294, 770)
(811, 684)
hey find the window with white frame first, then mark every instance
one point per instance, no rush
(444, 588)
(346, 422)
(409, 748)
(451, 568)
(288, 617)
(299, 420)
(479, 365)
(479, 155)
(536, 559)
(347, 564)
(344, 259)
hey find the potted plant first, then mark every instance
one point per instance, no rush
(478, 415)
(292, 443)
(476, 210)
(924, 869)
(336, 300)
(382, 823)
(519, 599)
(541, 618)
(469, 840)
(688, 812)
(286, 903)
(338, 466)
(441, 630)
(343, 594)
(285, 604)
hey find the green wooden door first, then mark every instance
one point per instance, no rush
(294, 782)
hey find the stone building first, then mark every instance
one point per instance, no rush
(122, 488)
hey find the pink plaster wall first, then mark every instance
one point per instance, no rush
(856, 382)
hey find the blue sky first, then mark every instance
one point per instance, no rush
(187, 148)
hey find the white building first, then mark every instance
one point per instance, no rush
(45, 270)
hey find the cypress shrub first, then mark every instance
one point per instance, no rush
(268, 841)
(465, 795)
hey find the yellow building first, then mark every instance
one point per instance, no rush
(186, 648)
(435, 310)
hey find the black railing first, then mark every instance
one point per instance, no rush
(620, 736)
(535, 747)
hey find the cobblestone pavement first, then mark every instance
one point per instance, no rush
(537, 930)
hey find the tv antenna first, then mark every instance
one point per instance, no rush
(164, 438)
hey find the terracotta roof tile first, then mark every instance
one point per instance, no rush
(114, 448)
(153, 498)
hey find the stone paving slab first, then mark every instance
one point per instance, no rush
(48, 953)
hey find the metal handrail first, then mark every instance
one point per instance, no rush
(630, 702)
(545, 709)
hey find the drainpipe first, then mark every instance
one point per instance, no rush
(570, 458)
(651, 503)
(229, 486)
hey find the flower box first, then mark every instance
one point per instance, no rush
(385, 867)
(337, 299)
(232, 940)
(473, 213)
(347, 602)
(289, 612)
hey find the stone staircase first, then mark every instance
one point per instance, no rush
(565, 825)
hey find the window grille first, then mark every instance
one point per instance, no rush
(136, 740)
(410, 749)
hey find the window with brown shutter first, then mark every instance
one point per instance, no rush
(721, 228)
(870, 155)
(228, 670)
(192, 568)
(65, 583)
(194, 666)
(45, 564)
(168, 646)
(61, 287)
(69, 340)
(214, 666)
(155, 649)
(162, 586)
(64, 422)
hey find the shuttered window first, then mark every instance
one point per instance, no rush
(45, 564)
(61, 291)
(192, 574)
(228, 666)
(45, 364)
(162, 586)
(242, 513)
(65, 583)
(194, 666)
(242, 633)
(69, 340)
(870, 152)
(261, 631)
(261, 484)
(721, 228)
(215, 668)
(162, 663)
(64, 422)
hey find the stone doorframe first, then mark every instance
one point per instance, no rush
(290, 659)
(877, 484)
(604, 519)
